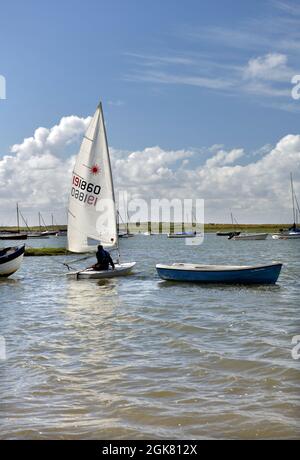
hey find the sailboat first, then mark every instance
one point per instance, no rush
(127, 233)
(92, 217)
(293, 232)
(184, 233)
(232, 232)
(238, 236)
(14, 235)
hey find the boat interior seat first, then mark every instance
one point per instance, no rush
(4, 252)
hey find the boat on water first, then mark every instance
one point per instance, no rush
(222, 274)
(13, 236)
(293, 233)
(227, 233)
(39, 235)
(92, 216)
(233, 232)
(18, 235)
(182, 235)
(11, 260)
(125, 235)
(287, 236)
(249, 237)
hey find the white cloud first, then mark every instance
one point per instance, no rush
(272, 66)
(37, 174)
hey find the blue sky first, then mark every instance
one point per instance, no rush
(60, 57)
(182, 75)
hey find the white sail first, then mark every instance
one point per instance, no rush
(92, 212)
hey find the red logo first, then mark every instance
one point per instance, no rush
(95, 169)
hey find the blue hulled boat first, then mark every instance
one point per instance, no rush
(228, 274)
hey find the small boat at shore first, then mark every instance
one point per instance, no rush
(13, 236)
(249, 237)
(222, 274)
(10, 260)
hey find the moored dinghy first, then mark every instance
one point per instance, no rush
(92, 185)
(10, 260)
(228, 274)
(249, 237)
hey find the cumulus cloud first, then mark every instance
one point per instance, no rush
(272, 66)
(37, 174)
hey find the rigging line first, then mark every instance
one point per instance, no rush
(25, 222)
(120, 217)
(297, 203)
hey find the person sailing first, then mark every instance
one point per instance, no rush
(104, 260)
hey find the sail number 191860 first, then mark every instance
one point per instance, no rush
(85, 192)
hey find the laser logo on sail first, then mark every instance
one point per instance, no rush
(95, 169)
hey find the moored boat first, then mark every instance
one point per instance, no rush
(293, 233)
(10, 260)
(222, 274)
(38, 235)
(249, 236)
(286, 236)
(227, 233)
(182, 235)
(13, 236)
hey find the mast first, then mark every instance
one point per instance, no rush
(111, 178)
(43, 222)
(18, 218)
(293, 198)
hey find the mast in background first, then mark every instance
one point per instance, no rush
(293, 198)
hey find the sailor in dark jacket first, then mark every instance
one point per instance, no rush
(103, 260)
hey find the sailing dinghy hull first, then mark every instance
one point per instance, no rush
(10, 260)
(288, 236)
(250, 237)
(222, 274)
(120, 270)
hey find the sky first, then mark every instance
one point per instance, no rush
(197, 97)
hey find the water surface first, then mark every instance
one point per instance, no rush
(141, 358)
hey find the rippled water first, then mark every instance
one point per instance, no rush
(141, 358)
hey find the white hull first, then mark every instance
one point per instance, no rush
(120, 270)
(291, 236)
(10, 267)
(249, 237)
(188, 235)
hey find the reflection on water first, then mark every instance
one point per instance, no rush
(137, 357)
